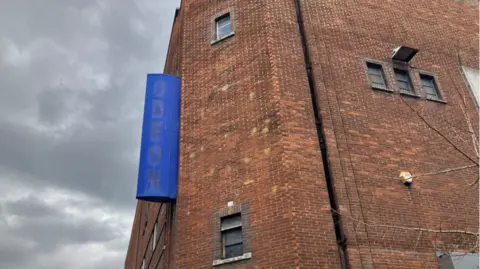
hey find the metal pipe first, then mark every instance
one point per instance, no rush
(339, 234)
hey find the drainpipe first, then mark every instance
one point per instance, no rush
(339, 234)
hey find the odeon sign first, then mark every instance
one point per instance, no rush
(158, 167)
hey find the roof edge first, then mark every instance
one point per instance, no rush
(177, 11)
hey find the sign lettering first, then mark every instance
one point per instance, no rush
(158, 169)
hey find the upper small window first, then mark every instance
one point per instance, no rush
(223, 26)
(429, 86)
(403, 80)
(232, 240)
(376, 76)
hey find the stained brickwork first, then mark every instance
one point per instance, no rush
(236, 141)
(248, 134)
(373, 135)
(142, 237)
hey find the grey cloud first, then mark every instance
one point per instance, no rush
(72, 78)
(90, 160)
(21, 84)
(62, 20)
(61, 231)
(118, 28)
(30, 207)
(115, 103)
(53, 105)
(111, 263)
(12, 251)
(41, 228)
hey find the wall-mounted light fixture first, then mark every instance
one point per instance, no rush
(403, 53)
(406, 178)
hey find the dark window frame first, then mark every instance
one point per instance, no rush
(436, 87)
(381, 74)
(408, 80)
(227, 14)
(229, 230)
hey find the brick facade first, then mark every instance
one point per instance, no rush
(248, 135)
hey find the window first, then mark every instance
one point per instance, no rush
(232, 241)
(376, 76)
(457, 260)
(429, 86)
(472, 77)
(404, 82)
(223, 26)
(155, 231)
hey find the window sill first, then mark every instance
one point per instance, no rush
(436, 100)
(245, 256)
(411, 94)
(381, 89)
(215, 41)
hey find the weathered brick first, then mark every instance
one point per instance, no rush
(248, 135)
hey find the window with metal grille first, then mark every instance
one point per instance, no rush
(223, 26)
(232, 239)
(154, 239)
(429, 86)
(403, 80)
(376, 76)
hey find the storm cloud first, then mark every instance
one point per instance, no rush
(72, 79)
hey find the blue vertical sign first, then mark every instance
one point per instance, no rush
(158, 169)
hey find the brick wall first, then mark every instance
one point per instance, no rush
(248, 133)
(373, 135)
(244, 141)
(130, 260)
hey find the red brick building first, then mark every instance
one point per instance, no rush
(296, 124)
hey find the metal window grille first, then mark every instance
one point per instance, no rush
(376, 76)
(403, 80)
(429, 85)
(232, 239)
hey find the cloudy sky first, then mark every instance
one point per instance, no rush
(72, 79)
